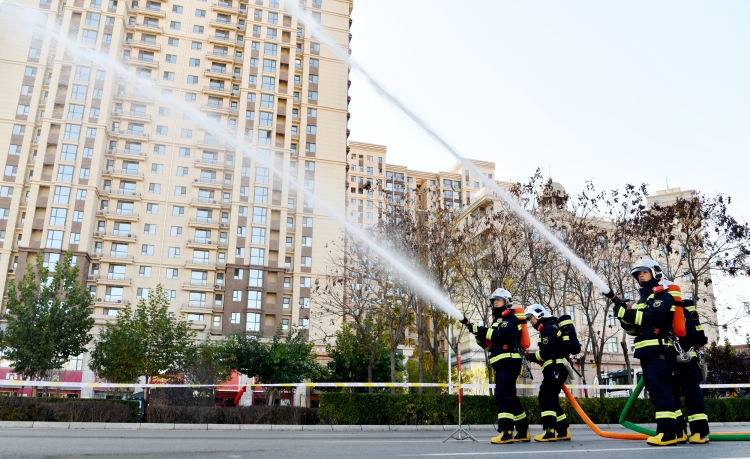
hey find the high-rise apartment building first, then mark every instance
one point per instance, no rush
(374, 185)
(117, 167)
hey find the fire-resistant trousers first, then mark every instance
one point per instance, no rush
(686, 382)
(658, 366)
(509, 409)
(549, 397)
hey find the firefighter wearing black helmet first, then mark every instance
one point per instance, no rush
(650, 321)
(502, 340)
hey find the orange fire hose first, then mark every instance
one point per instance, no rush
(592, 426)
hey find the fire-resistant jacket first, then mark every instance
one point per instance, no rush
(502, 338)
(649, 320)
(550, 342)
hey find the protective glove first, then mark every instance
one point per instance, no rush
(618, 305)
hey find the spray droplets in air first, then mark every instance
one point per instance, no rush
(318, 33)
(418, 281)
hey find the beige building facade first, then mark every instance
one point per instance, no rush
(101, 162)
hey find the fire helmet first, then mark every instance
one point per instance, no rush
(536, 310)
(501, 294)
(647, 265)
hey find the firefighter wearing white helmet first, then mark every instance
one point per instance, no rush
(650, 321)
(502, 340)
(551, 356)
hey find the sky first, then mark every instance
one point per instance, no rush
(603, 91)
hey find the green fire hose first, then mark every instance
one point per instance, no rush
(720, 436)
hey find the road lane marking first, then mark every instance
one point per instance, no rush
(572, 450)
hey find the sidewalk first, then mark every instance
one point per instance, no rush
(275, 427)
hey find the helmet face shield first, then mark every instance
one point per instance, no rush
(647, 265)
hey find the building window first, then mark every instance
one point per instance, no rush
(253, 322)
(254, 299)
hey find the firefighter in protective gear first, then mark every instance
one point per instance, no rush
(551, 355)
(687, 379)
(650, 321)
(502, 340)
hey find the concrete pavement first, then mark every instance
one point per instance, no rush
(126, 444)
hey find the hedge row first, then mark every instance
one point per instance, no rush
(67, 410)
(236, 415)
(381, 409)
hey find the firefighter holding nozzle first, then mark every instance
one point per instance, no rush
(503, 340)
(650, 321)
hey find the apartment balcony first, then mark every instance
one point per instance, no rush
(198, 286)
(224, 7)
(108, 301)
(223, 57)
(129, 135)
(127, 194)
(131, 116)
(111, 279)
(119, 214)
(195, 307)
(143, 27)
(222, 24)
(127, 174)
(204, 244)
(222, 40)
(146, 45)
(204, 182)
(104, 319)
(213, 108)
(118, 236)
(218, 307)
(209, 144)
(217, 73)
(117, 257)
(216, 330)
(203, 222)
(209, 203)
(220, 91)
(135, 97)
(127, 155)
(147, 62)
(149, 11)
(213, 164)
(197, 325)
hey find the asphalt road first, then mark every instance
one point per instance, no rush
(42, 443)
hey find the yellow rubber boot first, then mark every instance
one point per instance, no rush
(698, 438)
(662, 439)
(522, 436)
(682, 437)
(549, 434)
(564, 435)
(506, 436)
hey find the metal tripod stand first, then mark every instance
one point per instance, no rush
(460, 433)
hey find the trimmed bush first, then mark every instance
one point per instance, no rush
(287, 415)
(401, 409)
(67, 410)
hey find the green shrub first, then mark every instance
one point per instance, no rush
(357, 408)
(258, 414)
(67, 410)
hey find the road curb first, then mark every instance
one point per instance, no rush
(291, 427)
